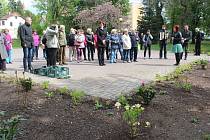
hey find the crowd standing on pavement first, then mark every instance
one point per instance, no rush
(83, 45)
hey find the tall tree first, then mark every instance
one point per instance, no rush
(4, 9)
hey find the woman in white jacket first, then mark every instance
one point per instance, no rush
(126, 46)
(52, 44)
(80, 43)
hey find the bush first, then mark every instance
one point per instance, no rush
(122, 100)
(147, 93)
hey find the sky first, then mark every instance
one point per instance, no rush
(29, 4)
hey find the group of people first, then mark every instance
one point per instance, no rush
(54, 42)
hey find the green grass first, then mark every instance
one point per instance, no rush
(205, 47)
(16, 43)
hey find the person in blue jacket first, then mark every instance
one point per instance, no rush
(114, 44)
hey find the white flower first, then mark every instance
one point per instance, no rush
(147, 124)
(142, 108)
(127, 107)
(138, 123)
(138, 105)
(117, 105)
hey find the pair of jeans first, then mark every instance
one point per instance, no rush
(27, 58)
(101, 55)
(163, 47)
(9, 58)
(35, 52)
(72, 53)
(113, 55)
(121, 52)
(62, 54)
(133, 53)
(126, 53)
(51, 56)
(148, 46)
(45, 53)
(91, 51)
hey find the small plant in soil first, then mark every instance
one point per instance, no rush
(26, 84)
(98, 105)
(203, 64)
(147, 93)
(162, 92)
(49, 94)
(9, 127)
(131, 117)
(45, 85)
(195, 120)
(77, 96)
(63, 90)
(122, 100)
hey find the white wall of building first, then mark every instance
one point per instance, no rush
(12, 23)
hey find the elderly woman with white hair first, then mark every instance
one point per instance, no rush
(126, 45)
(90, 44)
(114, 44)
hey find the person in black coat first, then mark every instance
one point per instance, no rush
(134, 48)
(198, 39)
(27, 43)
(90, 44)
(101, 42)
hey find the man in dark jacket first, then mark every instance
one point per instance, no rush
(101, 43)
(134, 48)
(198, 39)
(187, 36)
(25, 32)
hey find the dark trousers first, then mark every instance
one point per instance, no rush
(134, 53)
(2, 64)
(148, 46)
(27, 58)
(163, 46)
(107, 53)
(197, 48)
(51, 56)
(178, 58)
(91, 51)
(185, 48)
(62, 54)
(84, 53)
(101, 55)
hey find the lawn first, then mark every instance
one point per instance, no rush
(205, 47)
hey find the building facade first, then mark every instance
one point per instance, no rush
(11, 22)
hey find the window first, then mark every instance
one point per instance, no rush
(11, 24)
(3, 22)
(15, 17)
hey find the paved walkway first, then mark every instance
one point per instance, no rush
(106, 82)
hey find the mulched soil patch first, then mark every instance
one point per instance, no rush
(171, 115)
